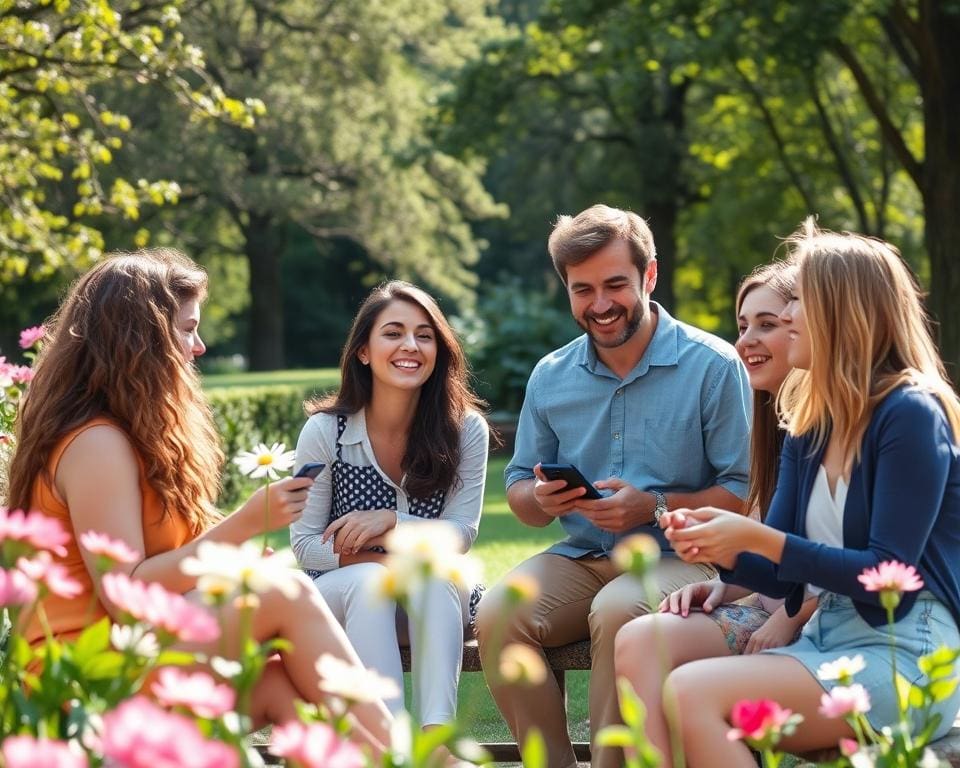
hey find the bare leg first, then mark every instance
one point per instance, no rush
(707, 690)
(637, 653)
(273, 696)
(311, 628)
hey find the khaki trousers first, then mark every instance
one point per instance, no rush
(578, 599)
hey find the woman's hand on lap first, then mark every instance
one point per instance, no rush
(705, 595)
(355, 530)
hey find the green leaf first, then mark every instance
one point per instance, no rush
(903, 691)
(102, 666)
(940, 690)
(92, 640)
(534, 751)
(615, 736)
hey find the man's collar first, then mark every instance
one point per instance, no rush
(663, 349)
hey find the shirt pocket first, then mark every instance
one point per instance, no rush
(673, 450)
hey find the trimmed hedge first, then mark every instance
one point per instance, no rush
(246, 416)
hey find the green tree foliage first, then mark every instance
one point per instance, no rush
(343, 153)
(57, 60)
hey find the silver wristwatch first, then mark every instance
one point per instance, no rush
(660, 506)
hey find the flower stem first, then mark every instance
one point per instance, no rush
(266, 517)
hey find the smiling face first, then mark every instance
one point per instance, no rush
(764, 339)
(608, 296)
(187, 324)
(402, 348)
(799, 354)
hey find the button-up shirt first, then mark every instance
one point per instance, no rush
(679, 421)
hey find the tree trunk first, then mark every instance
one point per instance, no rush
(263, 246)
(662, 215)
(941, 173)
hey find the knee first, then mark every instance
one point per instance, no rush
(608, 613)
(631, 650)
(685, 687)
(500, 619)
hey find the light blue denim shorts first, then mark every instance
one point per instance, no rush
(836, 629)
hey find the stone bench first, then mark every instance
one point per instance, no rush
(572, 657)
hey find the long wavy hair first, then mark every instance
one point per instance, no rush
(432, 456)
(868, 334)
(113, 351)
(766, 436)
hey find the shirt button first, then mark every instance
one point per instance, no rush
(616, 435)
(620, 391)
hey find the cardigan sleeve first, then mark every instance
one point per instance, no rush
(906, 456)
(756, 572)
(317, 442)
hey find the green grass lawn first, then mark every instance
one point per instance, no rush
(321, 378)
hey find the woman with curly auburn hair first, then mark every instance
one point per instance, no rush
(405, 441)
(115, 436)
(869, 474)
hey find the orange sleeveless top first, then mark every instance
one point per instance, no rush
(67, 618)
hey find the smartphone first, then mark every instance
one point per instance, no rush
(573, 476)
(311, 469)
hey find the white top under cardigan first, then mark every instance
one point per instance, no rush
(318, 442)
(825, 514)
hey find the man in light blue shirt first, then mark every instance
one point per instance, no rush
(657, 414)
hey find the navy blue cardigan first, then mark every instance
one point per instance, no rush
(903, 504)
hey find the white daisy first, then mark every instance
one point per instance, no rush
(353, 683)
(136, 638)
(843, 668)
(265, 462)
(226, 568)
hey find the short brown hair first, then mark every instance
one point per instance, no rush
(575, 238)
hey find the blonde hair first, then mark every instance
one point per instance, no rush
(113, 351)
(868, 332)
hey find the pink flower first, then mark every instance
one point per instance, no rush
(845, 700)
(28, 752)
(758, 720)
(198, 692)
(891, 576)
(36, 529)
(113, 549)
(30, 336)
(139, 734)
(16, 588)
(849, 747)
(314, 746)
(163, 610)
(20, 374)
(54, 576)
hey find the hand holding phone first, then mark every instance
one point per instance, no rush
(573, 476)
(311, 469)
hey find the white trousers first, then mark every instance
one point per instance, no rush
(376, 628)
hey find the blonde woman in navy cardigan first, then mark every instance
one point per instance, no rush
(869, 472)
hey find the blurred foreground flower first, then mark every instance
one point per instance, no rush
(891, 579)
(314, 746)
(33, 528)
(425, 549)
(520, 664)
(842, 669)
(50, 575)
(265, 462)
(198, 692)
(353, 683)
(136, 639)
(223, 569)
(166, 611)
(30, 336)
(139, 734)
(521, 589)
(16, 588)
(28, 752)
(761, 723)
(109, 551)
(845, 700)
(637, 554)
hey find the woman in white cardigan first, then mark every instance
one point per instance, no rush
(403, 441)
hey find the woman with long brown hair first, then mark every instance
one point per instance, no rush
(869, 473)
(405, 441)
(115, 436)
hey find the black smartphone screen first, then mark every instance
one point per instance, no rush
(311, 469)
(573, 476)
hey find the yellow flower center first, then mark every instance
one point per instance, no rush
(265, 460)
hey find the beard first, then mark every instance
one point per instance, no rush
(634, 317)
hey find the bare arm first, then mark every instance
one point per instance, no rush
(99, 479)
